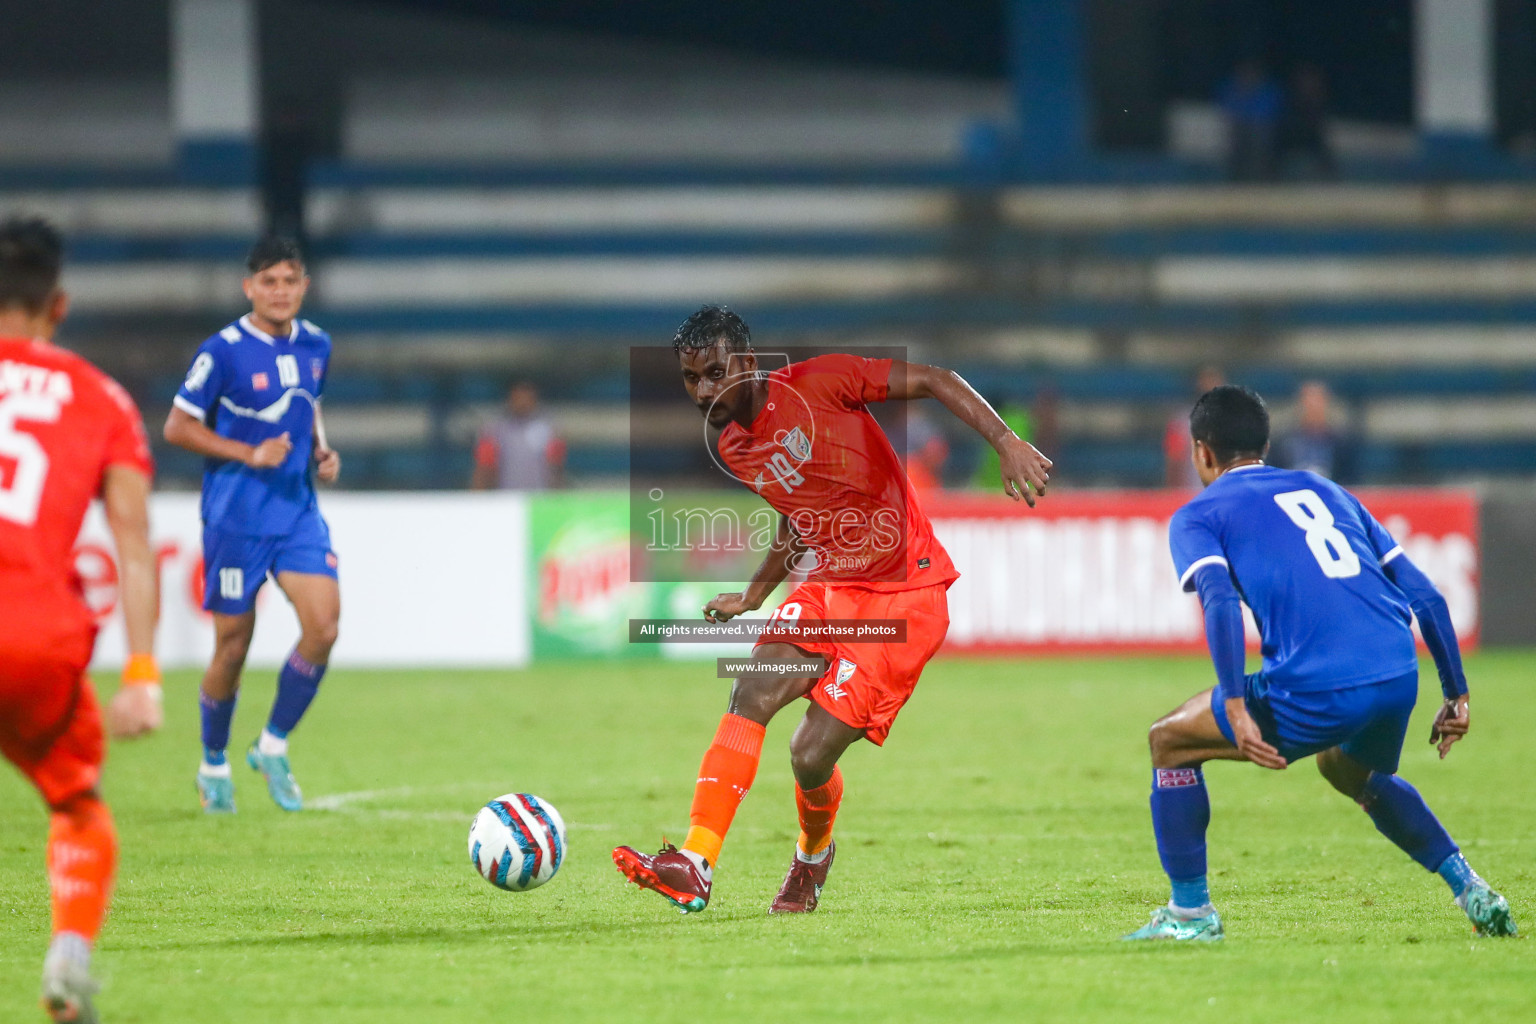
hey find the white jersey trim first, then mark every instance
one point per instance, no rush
(1196, 566)
(256, 332)
(1391, 554)
(188, 408)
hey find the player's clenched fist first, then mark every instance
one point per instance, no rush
(271, 453)
(135, 711)
(136, 708)
(327, 464)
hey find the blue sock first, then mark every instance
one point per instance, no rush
(1181, 810)
(216, 715)
(1458, 874)
(1401, 815)
(297, 685)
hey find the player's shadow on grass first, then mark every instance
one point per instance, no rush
(387, 936)
(1093, 946)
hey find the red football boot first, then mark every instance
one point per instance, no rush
(670, 872)
(802, 886)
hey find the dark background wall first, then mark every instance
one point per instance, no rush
(962, 37)
(84, 39)
(1145, 52)
(1364, 47)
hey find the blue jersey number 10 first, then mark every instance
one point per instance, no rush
(1330, 547)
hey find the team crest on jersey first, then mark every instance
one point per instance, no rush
(845, 671)
(797, 444)
(316, 367)
(259, 381)
(202, 366)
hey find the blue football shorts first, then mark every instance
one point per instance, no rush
(235, 565)
(1368, 722)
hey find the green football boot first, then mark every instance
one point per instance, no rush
(1165, 924)
(285, 791)
(1487, 910)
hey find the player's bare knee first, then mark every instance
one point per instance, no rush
(231, 648)
(1343, 772)
(1162, 743)
(757, 697)
(78, 807)
(322, 635)
(811, 760)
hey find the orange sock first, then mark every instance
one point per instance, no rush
(818, 810)
(725, 775)
(82, 856)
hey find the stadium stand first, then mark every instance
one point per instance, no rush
(465, 238)
(1416, 304)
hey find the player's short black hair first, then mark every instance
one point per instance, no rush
(1232, 421)
(31, 256)
(709, 326)
(272, 250)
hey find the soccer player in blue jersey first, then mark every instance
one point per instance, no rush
(251, 406)
(1331, 591)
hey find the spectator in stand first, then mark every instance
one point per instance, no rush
(927, 451)
(1178, 468)
(1016, 414)
(1045, 419)
(1252, 103)
(519, 450)
(1315, 443)
(1303, 139)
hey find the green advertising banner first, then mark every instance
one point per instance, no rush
(581, 595)
(582, 592)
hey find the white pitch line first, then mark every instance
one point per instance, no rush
(345, 803)
(341, 801)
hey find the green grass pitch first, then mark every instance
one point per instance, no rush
(989, 859)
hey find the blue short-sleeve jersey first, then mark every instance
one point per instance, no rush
(249, 386)
(1307, 559)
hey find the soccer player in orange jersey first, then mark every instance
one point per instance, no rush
(803, 439)
(68, 434)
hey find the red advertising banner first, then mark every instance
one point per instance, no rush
(1091, 571)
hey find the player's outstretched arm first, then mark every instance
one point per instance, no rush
(136, 707)
(187, 431)
(1025, 472)
(1453, 719)
(773, 571)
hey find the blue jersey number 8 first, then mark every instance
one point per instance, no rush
(1330, 547)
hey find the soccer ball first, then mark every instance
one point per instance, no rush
(517, 842)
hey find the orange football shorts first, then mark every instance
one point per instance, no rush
(866, 684)
(50, 725)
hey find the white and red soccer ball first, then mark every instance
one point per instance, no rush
(517, 842)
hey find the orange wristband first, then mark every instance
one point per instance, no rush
(141, 670)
